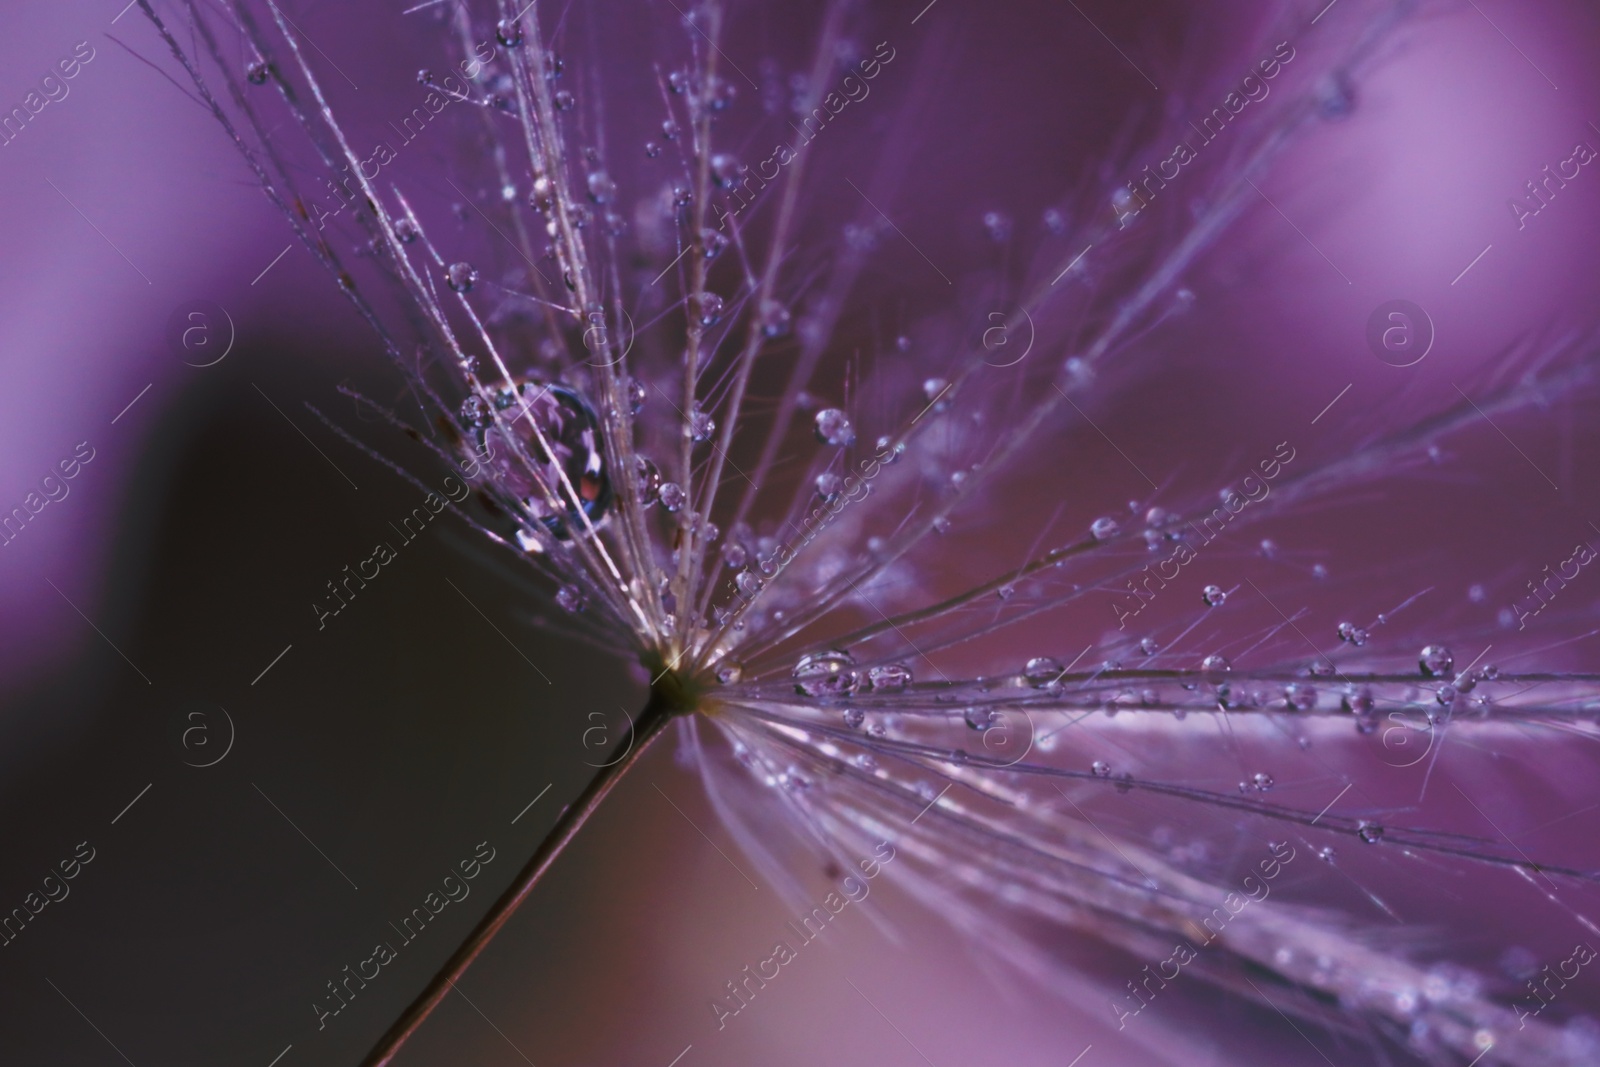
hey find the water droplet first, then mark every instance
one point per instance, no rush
(1213, 596)
(564, 100)
(1336, 97)
(1263, 781)
(723, 93)
(824, 674)
(1488, 672)
(1326, 854)
(748, 583)
(701, 426)
(1006, 592)
(829, 485)
(1297, 697)
(636, 394)
(1436, 662)
(932, 387)
(257, 71)
(997, 226)
(833, 428)
(1100, 768)
(1370, 832)
(1215, 664)
(1104, 528)
(729, 673)
(1319, 572)
(678, 82)
(461, 276)
(647, 481)
(601, 187)
(710, 309)
(651, 149)
(1148, 646)
(1269, 549)
(1360, 702)
(978, 718)
(672, 496)
(774, 318)
(1041, 671)
(475, 413)
(573, 470)
(889, 678)
(1054, 221)
(854, 717)
(941, 524)
(570, 598)
(509, 32)
(725, 170)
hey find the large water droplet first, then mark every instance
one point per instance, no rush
(567, 426)
(1100, 768)
(1104, 528)
(826, 674)
(672, 496)
(854, 717)
(978, 718)
(833, 428)
(1213, 596)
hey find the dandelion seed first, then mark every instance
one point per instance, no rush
(789, 642)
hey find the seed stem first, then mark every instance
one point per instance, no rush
(646, 729)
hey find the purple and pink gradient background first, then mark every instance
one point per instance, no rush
(644, 922)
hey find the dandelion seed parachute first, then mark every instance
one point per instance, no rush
(780, 594)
